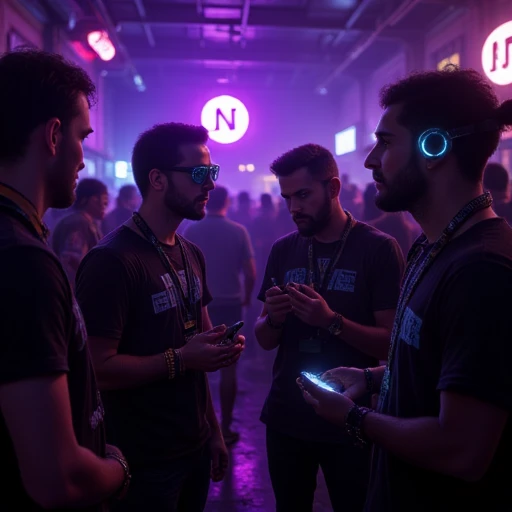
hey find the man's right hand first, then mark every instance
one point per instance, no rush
(352, 380)
(278, 304)
(202, 353)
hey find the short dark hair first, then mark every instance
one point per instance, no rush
(447, 99)
(217, 198)
(126, 191)
(159, 148)
(318, 160)
(36, 86)
(266, 202)
(496, 177)
(87, 188)
(244, 197)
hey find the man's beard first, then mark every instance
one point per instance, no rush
(404, 191)
(316, 223)
(182, 207)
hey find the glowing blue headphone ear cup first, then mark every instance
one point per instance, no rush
(444, 148)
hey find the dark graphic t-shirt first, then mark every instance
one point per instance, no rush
(455, 337)
(41, 333)
(366, 279)
(126, 293)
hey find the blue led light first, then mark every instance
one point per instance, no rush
(422, 142)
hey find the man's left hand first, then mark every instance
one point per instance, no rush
(330, 405)
(309, 306)
(220, 457)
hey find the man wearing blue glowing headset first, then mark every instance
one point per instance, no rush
(144, 295)
(442, 429)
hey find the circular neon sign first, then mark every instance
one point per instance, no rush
(226, 118)
(497, 55)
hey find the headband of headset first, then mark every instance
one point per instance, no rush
(437, 143)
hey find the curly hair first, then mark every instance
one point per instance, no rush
(447, 99)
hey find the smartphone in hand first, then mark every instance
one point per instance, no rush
(311, 377)
(231, 331)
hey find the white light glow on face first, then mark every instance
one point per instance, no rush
(497, 55)
(226, 118)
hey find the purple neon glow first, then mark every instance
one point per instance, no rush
(226, 118)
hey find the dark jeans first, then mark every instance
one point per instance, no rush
(293, 466)
(176, 486)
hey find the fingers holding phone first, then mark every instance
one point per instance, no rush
(203, 352)
(278, 303)
(331, 405)
(235, 340)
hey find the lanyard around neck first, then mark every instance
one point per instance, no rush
(14, 202)
(320, 283)
(418, 266)
(186, 299)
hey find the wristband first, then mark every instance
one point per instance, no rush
(126, 469)
(370, 382)
(354, 424)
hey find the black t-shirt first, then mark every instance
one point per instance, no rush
(126, 293)
(366, 279)
(41, 333)
(455, 337)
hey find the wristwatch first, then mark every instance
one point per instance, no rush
(336, 327)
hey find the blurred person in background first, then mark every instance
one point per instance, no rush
(243, 213)
(263, 230)
(229, 256)
(128, 201)
(79, 231)
(52, 437)
(497, 182)
(350, 196)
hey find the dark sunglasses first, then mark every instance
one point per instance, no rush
(200, 172)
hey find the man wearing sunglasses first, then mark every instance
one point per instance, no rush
(144, 296)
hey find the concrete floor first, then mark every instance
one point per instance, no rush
(247, 487)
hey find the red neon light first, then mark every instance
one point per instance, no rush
(101, 44)
(82, 51)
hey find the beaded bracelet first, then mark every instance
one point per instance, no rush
(354, 424)
(127, 475)
(179, 361)
(171, 363)
(370, 382)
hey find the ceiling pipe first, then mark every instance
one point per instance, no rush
(101, 13)
(246, 7)
(352, 20)
(392, 20)
(147, 29)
